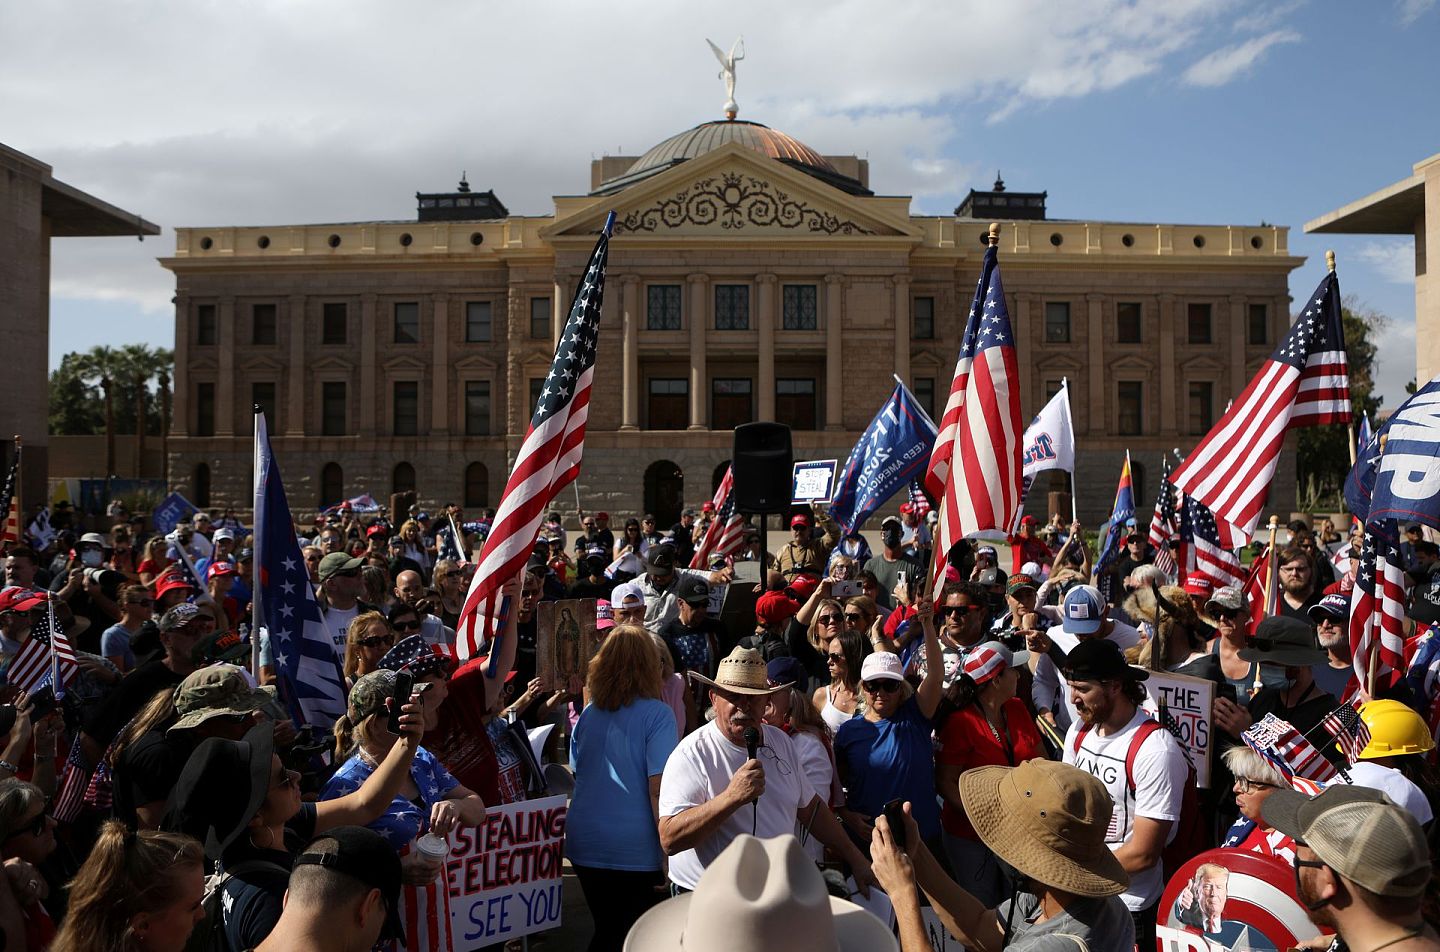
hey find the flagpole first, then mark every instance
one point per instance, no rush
(257, 614)
(1350, 427)
(1269, 583)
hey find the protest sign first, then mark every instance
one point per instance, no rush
(814, 481)
(940, 938)
(564, 642)
(1231, 900)
(173, 510)
(505, 877)
(1188, 703)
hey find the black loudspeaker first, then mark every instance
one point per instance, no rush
(763, 464)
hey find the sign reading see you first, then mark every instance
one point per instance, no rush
(505, 876)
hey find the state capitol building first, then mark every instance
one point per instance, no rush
(750, 278)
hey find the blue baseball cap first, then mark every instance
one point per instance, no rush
(1331, 606)
(1083, 611)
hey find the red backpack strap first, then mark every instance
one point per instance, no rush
(1146, 728)
(1080, 736)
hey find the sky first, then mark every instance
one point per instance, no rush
(200, 112)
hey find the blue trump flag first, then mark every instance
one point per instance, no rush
(1397, 474)
(892, 451)
(306, 660)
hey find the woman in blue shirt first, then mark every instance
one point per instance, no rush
(619, 748)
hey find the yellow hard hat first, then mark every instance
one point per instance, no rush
(1395, 730)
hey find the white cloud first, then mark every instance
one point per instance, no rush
(1412, 10)
(1394, 361)
(1392, 259)
(1229, 62)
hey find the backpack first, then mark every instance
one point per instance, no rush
(209, 935)
(1190, 837)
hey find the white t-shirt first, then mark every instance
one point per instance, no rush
(338, 621)
(700, 768)
(1048, 690)
(816, 764)
(1160, 773)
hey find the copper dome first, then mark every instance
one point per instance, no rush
(712, 135)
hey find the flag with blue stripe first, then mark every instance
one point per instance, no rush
(893, 450)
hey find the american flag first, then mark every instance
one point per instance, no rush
(1262, 593)
(1377, 608)
(1162, 524)
(725, 535)
(919, 500)
(1304, 383)
(1350, 732)
(452, 541)
(46, 659)
(306, 660)
(75, 780)
(548, 460)
(10, 501)
(1288, 751)
(974, 470)
(1202, 550)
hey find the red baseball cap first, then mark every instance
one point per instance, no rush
(169, 582)
(377, 529)
(774, 608)
(1198, 585)
(799, 519)
(218, 569)
(1029, 521)
(907, 507)
(804, 586)
(17, 599)
(708, 507)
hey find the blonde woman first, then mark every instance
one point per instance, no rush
(415, 548)
(366, 642)
(449, 582)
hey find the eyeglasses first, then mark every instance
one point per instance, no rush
(1246, 785)
(35, 827)
(1324, 622)
(854, 616)
(886, 685)
(1226, 615)
(382, 641)
(829, 619)
(287, 778)
(959, 609)
(405, 625)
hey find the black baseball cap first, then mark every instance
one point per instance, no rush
(1098, 659)
(694, 590)
(660, 560)
(362, 854)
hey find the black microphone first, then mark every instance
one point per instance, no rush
(752, 742)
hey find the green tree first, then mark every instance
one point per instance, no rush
(77, 398)
(1323, 457)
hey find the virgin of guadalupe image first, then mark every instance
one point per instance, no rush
(568, 654)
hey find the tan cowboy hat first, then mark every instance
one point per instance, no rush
(1048, 820)
(760, 896)
(743, 672)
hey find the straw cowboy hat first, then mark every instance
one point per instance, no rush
(760, 896)
(743, 672)
(1048, 820)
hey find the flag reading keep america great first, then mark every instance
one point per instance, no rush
(1304, 383)
(548, 460)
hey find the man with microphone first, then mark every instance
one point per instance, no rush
(739, 775)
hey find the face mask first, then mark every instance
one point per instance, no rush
(91, 559)
(891, 537)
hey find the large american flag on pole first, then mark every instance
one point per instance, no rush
(1203, 551)
(974, 470)
(548, 461)
(1304, 383)
(46, 659)
(1377, 608)
(725, 534)
(10, 501)
(1162, 524)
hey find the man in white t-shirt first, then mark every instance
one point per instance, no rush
(1082, 618)
(712, 791)
(340, 590)
(1139, 762)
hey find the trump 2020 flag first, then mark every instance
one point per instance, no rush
(1049, 443)
(1397, 474)
(892, 451)
(306, 661)
(1122, 515)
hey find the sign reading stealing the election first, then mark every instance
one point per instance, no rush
(814, 481)
(1231, 900)
(1188, 703)
(505, 876)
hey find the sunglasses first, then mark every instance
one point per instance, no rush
(885, 685)
(406, 625)
(959, 609)
(829, 619)
(378, 641)
(1226, 615)
(834, 658)
(854, 616)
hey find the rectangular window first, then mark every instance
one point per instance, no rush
(540, 318)
(263, 324)
(477, 408)
(732, 307)
(662, 307)
(798, 312)
(478, 318)
(204, 409)
(1057, 322)
(333, 408)
(669, 407)
(206, 325)
(795, 402)
(924, 390)
(1127, 321)
(1130, 406)
(1259, 324)
(1052, 387)
(406, 408)
(537, 386)
(1202, 407)
(731, 402)
(262, 395)
(1198, 323)
(334, 322)
(407, 322)
(922, 318)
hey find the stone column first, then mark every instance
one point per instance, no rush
(440, 368)
(295, 374)
(834, 351)
(699, 379)
(559, 301)
(1239, 335)
(1169, 422)
(765, 285)
(630, 353)
(901, 284)
(1031, 398)
(369, 328)
(180, 399)
(516, 392)
(225, 387)
(1098, 383)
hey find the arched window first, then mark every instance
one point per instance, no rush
(477, 486)
(332, 485)
(201, 485)
(402, 480)
(664, 491)
(718, 475)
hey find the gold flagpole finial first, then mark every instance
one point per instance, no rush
(1330, 261)
(994, 234)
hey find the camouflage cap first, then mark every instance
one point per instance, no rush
(216, 691)
(370, 693)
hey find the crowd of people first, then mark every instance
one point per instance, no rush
(988, 749)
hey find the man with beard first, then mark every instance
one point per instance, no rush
(1361, 866)
(1298, 591)
(1138, 761)
(1331, 617)
(1082, 618)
